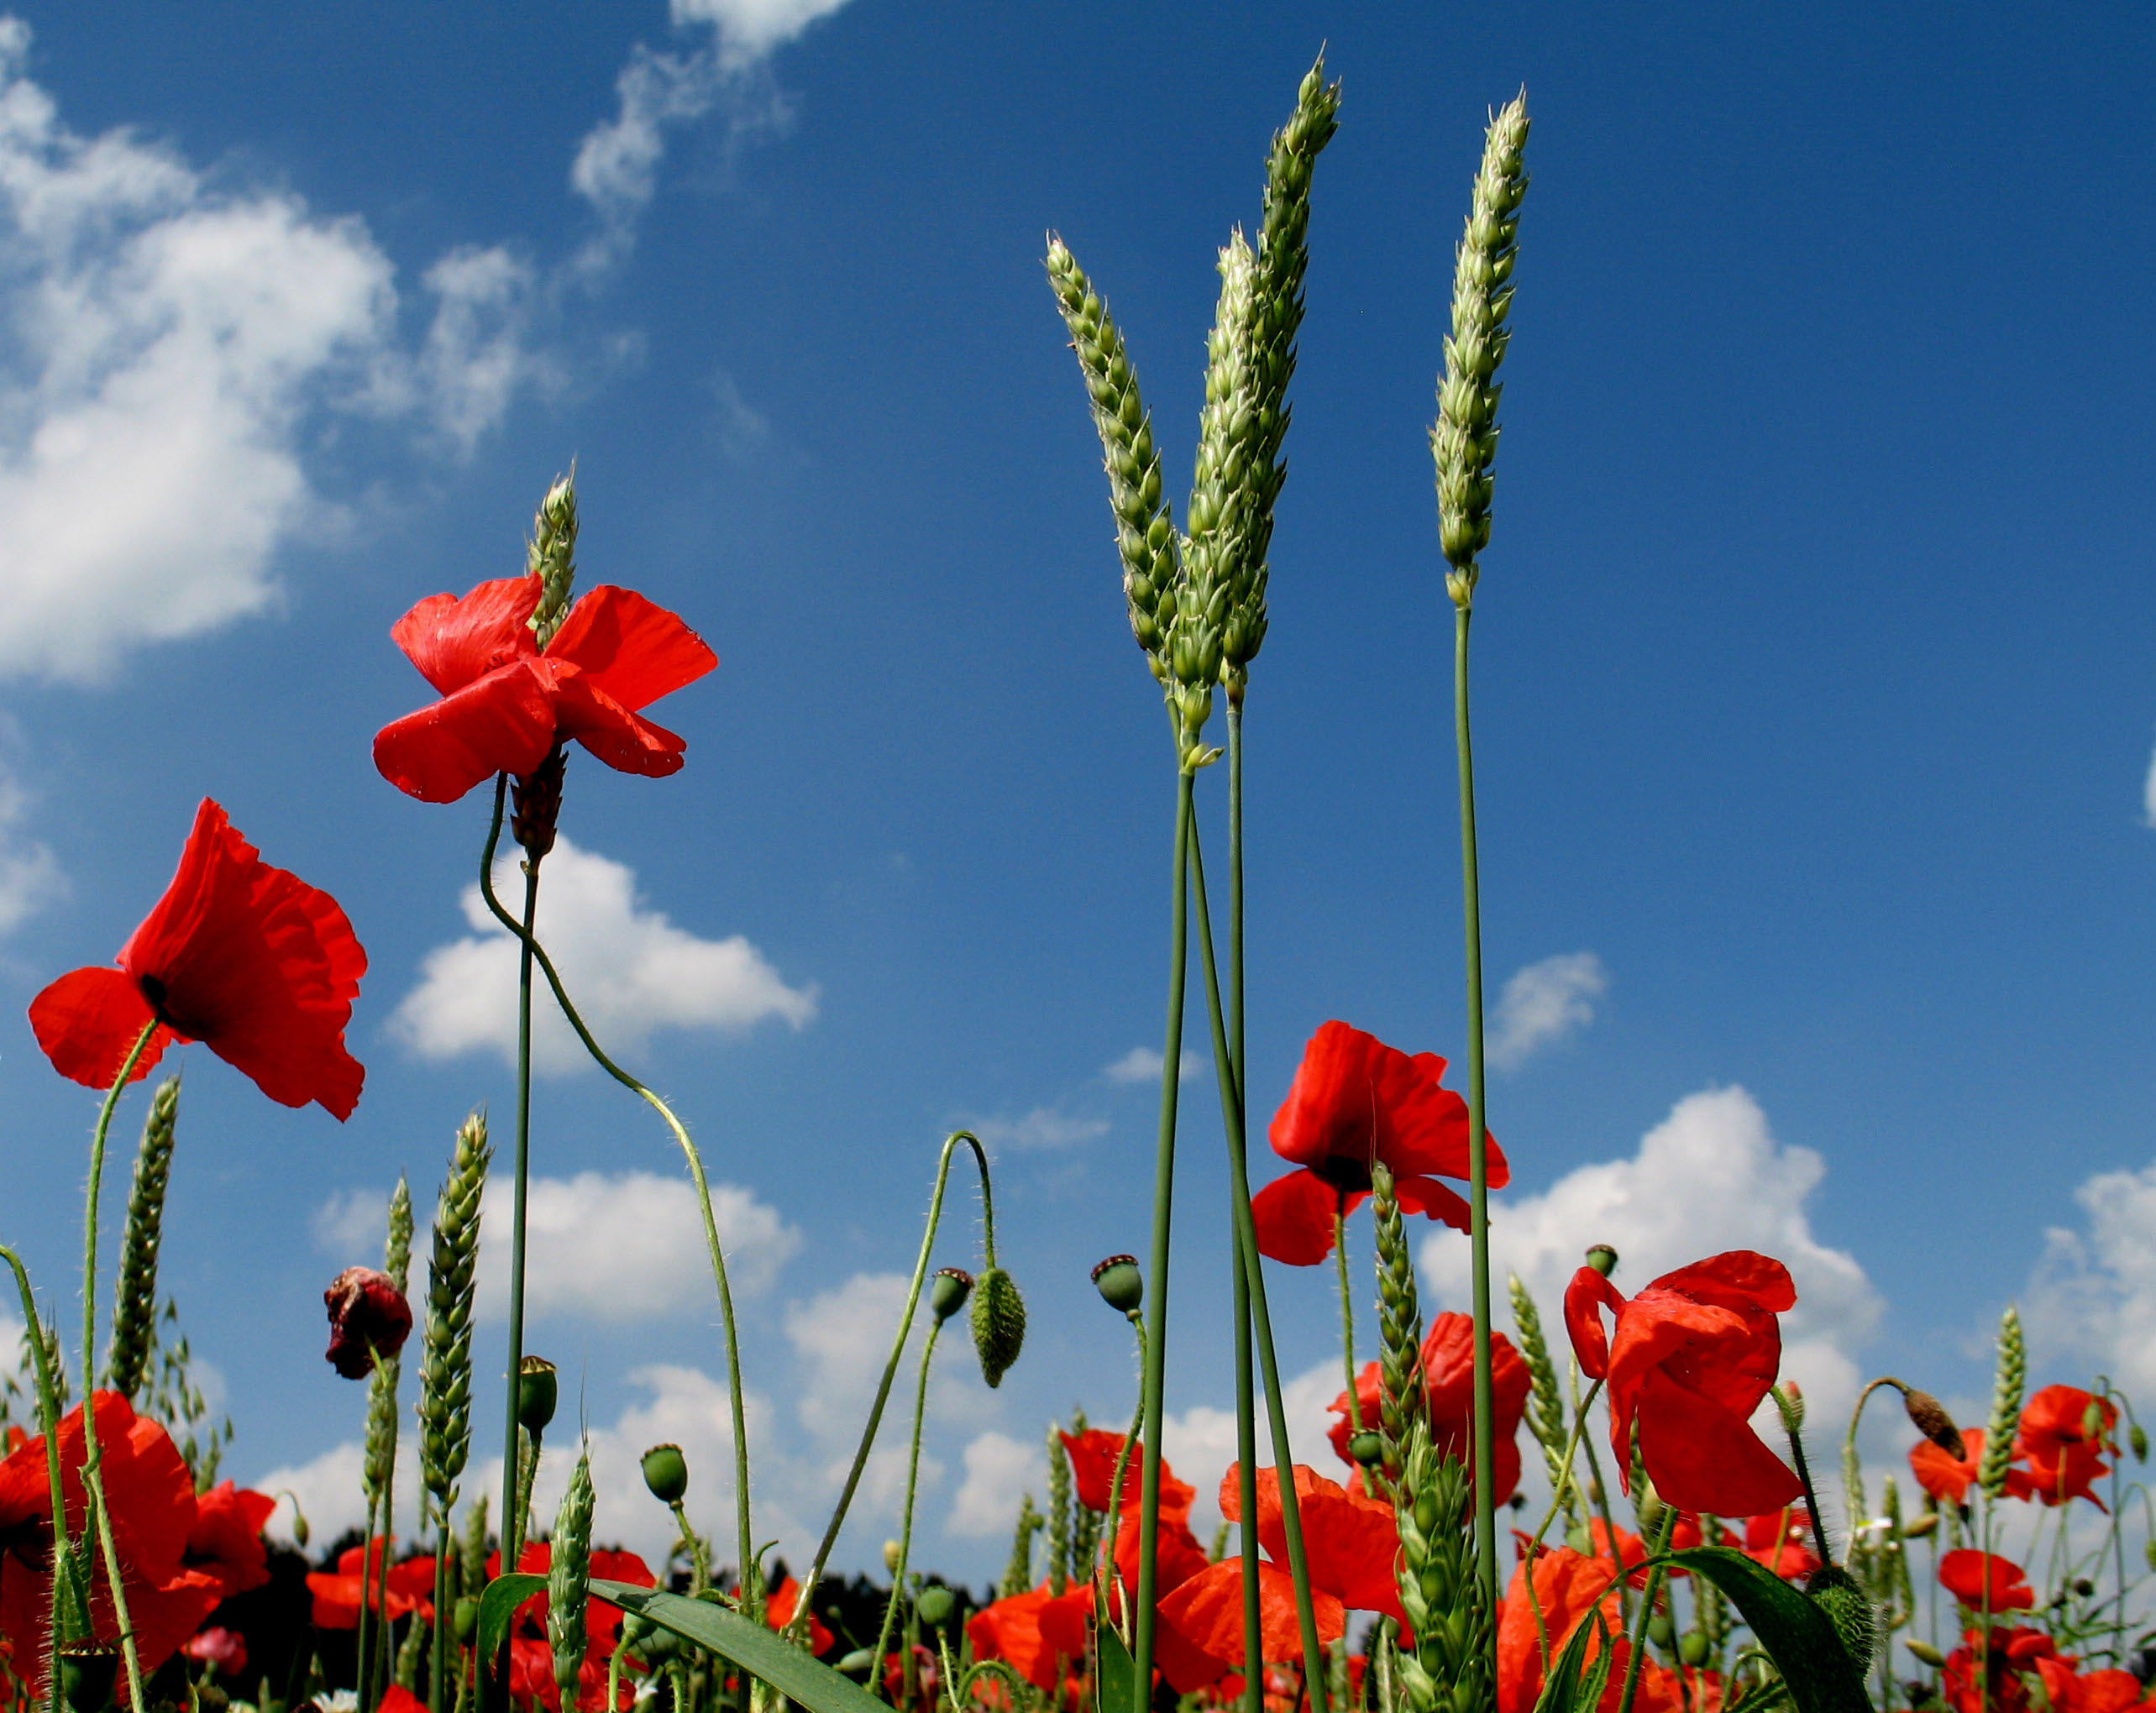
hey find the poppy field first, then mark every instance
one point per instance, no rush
(1617, 1501)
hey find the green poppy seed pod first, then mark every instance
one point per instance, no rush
(1579, 1540)
(538, 1391)
(1121, 1286)
(949, 1292)
(1691, 1647)
(666, 1473)
(1367, 1448)
(998, 1325)
(86, 1670)
(1661, 1631)
(466, 1618)
(1602, 1259)
(2137, 1436)
(1849, 1609)
(935, 1605)
(1926, 1653)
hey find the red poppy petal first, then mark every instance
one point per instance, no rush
(1703, 1457)
(1965, 1572)
(87, 1020)
(623, 739)
(1738, 1278)
(632, 649)
(1585, 1298)
(455, 640)
(502, 723)
(1425, 1195)
(1294, 1220)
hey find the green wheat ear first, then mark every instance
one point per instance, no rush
(445, 1371)
(551, 556)
(134, 1309)
(2008, 1380)
(569, 1581)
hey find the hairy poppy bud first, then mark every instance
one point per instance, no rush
(1367, 1448)
(538, 1391)
(368, 1318)
(1121, 1286)
(666, 1473)
(1691, 1647)
(1925, 1652)
(1789, 1398)
(949, 1294)
(466, 1619)
(998, 1325)
(2092, 1421)
(1933, 1423)
(1661, 1631)
(2137, 1436)
(1848, 1608)
(891, 1550)
(1602, 1259)
(935, 1604)
(85, 1675)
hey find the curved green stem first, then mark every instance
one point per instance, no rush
(533, 952)
(1646, 1606)
(75, 1618)
(898, 1351)
(1155, 1382)
(1246, 1399)
(1108, 1577)
(1478, 1164)
(1314, 1674)
(905, 1523)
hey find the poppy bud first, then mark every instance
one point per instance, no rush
(86, 1675)
(949, 1294)
(1579, 1541)
(858, 1662)
(2138, 1438)
(1121, 1286)
(1918, 1526)
(368, 1318)
(1661, 1631)
(2092, 1421)
(935, 1604)
(1790, 1399)
(891, 1550)
(538, 1391)
(466, 1619)
(666, 1473)
(1691, 1647)
(1602, 1259)
(1366, 1447)
(998, 1325)
(1933, 1423)
(1848, 1608)
(1925, 1652)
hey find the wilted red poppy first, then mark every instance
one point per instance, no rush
(506, 702)
(369, 1318)
(1448, 1363)
(151, 1495)
(1985, 1582)
(1355, 1100)
(1693, 1355)
(780, 1606)
(2064, 1435)
(249, 960)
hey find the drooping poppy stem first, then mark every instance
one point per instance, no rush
(93, 1456)
(1246, 1394)
(1793, 1425)
(1478, 1151)
(905, 1523)
(59, 1616)
(891, 1363)
(1154, 1384)
(1315, 1676)
(533, 952)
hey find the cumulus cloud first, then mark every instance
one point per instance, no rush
(1143, 1064)
(1201, 1442)
(1000, 1471)
(330, 1495)
(1710, 1177)
(173, 347)
(1043, 1128)
(1542, 1003)
(30, 877)
(2149, 794)
(749, 30)
(2093, 1294)
(629, 968)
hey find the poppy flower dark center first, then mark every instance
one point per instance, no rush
(1343, 1173)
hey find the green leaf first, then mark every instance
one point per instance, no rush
(1116, 1690)
(1561, 1690)
(748, 1644)
(1820, 1676)
(499, 1603)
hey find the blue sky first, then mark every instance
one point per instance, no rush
(1813, 713)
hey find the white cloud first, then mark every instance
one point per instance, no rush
(1000, 1471)
(1710, 1177)
(1542, 1003)
(752, 30)
(2093, 1294)
(2149, 794)
(1199, 1441)
(330, 1492)
(628, 968)
(1143, 1064)
(30, 877)
(1044, 1126)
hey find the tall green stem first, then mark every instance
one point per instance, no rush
(438, 1655)
(1245, 1397)
(1283, 1457)
(905, 1523)
(1478, 1163)
(533, 952)
(1646, 1606)
(1151, 1397)
(71, 1598)
(362, 1637)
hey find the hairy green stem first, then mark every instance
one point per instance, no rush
(905, 1522)
(57, 1617)
(1154, 1385)
(1646, 1606)
(1245, 1397)
(363, 1639)
(1283, 1456)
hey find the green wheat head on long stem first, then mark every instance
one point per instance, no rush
(1399, 1323)
(445, 1369)
(1546, 1403)
(380, 1457)
(134, 1305)
(2009, 1379)
(552, 556)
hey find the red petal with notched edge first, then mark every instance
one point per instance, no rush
(455, 640)
(1354, 1099)
(504, 723)
(1738, 1279)
(1294, 1220)
(1963, 1573)
(619, 736)
(632, 649)
(1702, 1456)
(87, 1020)
(1585, 1298)
(1425, 1195)
(1350, 1542)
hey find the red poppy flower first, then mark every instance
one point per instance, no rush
(1781, 1540)
(1349, 1542)
(530, 1660)
(2012, 1652)
(226, 1540)
(1355, 1100)
(779, 1608)
(410, 1587)
(369, 1317)
(1694, 1354)
(1092, 1455)
(506, 702)
(1032, 1632)
(2071, 1691)
(2064, 1435)
(220, 1648)
(1985, 1582)
(1448, 1361)
(249, 960)
(152, 1498)
(1569, 1589)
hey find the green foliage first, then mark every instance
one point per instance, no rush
(759, 1651)
(1796, 1630)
